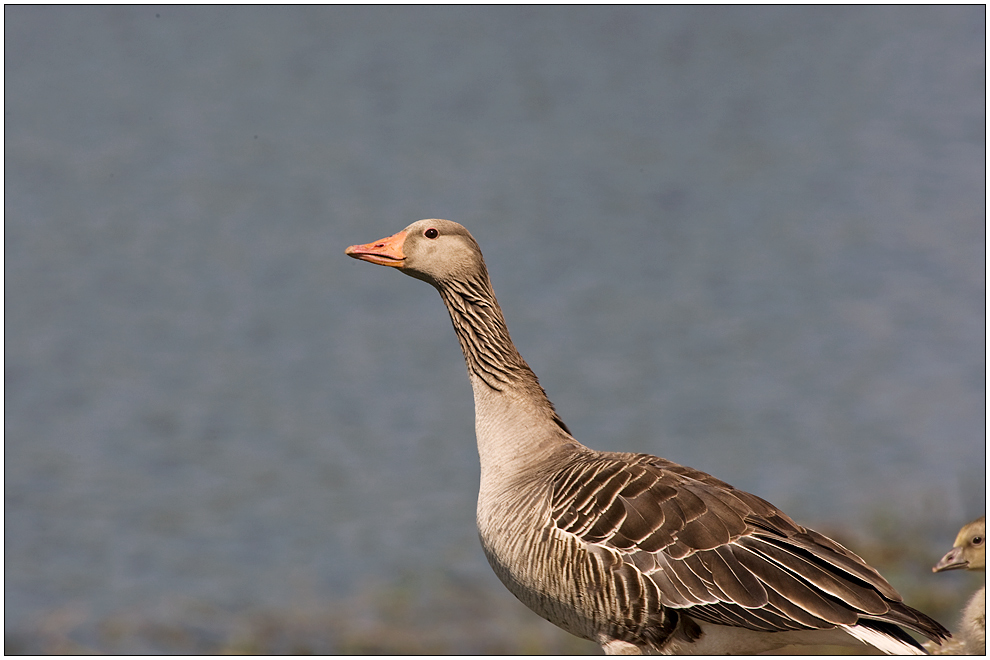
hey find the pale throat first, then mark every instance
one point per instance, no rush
(513, 431)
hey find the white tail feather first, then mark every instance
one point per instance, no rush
(886, 643)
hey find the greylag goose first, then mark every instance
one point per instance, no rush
(632, 551)
(969, 552)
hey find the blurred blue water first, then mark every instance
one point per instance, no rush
(751, 240)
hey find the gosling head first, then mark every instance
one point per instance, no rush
(969, 551)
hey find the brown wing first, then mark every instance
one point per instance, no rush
(717, 553)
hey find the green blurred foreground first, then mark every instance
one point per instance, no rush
(427, 614)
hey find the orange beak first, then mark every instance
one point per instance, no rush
(386, 252)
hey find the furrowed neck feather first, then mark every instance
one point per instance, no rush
(481, 330)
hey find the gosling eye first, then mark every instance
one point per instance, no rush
(977, 540)
(431, 233)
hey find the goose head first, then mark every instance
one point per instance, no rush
(969, 551)
(433, 250)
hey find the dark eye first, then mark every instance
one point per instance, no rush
(431, 233)
(977, 540)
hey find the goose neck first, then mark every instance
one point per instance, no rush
(488, 350)
(515, 422)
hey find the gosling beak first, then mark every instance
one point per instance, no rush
(950, 561)
(386, 252)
